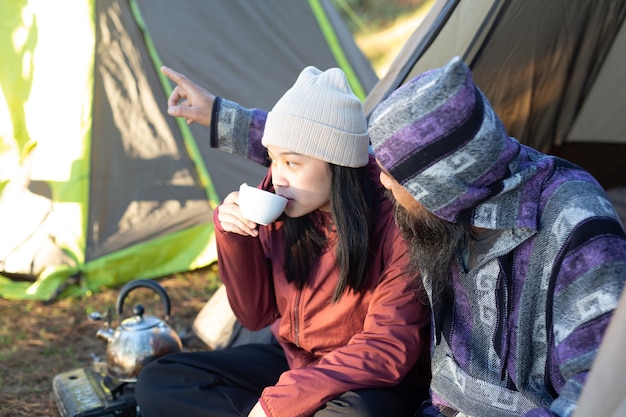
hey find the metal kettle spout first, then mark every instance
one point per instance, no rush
(106, 334)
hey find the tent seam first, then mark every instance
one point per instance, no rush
(336, 49)
(188, 139)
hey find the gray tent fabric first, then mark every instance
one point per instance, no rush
(249, 52)
(554, 71)
(136, 148)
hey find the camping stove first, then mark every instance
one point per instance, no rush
(90, 392)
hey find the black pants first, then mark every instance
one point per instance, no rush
(229, 382)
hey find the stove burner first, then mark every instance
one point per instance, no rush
(88, 392)
(119, 389)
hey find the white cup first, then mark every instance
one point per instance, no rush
(260, 206)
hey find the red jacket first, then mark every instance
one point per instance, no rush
(376, 338)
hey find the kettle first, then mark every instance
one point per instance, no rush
(138, 339)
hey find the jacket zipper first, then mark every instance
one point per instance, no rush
(296, 319)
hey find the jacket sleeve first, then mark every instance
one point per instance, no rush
(589, 279)
(605, 389)
(246, 274)
(237, 130)
(395, 338)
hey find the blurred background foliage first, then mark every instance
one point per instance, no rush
(381, 27)
(374, 15)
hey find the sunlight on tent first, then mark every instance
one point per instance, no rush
(59, 91)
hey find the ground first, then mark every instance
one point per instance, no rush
(39, 341)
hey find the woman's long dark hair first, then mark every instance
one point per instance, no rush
(351, 208)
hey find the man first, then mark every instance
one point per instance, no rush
(522, 254)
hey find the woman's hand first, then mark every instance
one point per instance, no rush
(188, 100)
(231, 220)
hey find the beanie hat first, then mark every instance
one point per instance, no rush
(439, 137)
(320, 117)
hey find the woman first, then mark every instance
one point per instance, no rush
(330, 276)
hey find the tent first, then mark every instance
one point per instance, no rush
(554, 71)
(98, 185)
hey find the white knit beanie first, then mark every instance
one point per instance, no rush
(320, 117)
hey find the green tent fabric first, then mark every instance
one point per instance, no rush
(98, 185)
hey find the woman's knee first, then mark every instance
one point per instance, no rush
(149, 381)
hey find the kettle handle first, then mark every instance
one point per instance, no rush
(145, 283)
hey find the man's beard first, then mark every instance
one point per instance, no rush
(433, 244)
